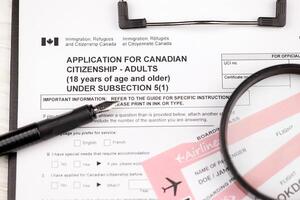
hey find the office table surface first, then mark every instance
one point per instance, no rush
(5, 25)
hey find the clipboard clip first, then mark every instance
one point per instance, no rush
(278, 21)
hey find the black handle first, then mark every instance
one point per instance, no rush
(46, 129)
(18, 138)
(66, 122)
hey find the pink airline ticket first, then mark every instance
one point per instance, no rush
(197, 170)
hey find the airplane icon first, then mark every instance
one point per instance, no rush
(174, 185)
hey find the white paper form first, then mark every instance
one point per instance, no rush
(172, 83)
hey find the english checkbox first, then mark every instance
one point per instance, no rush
(77, 143)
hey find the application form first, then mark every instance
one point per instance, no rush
(171, 83)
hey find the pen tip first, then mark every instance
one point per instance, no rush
(104, 106)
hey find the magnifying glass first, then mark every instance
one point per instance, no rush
(260, 133)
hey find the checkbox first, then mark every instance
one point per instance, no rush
(76, 185)
(77, 143)
(54, 185)
(54, 164)
(107, 142)
(77, 164)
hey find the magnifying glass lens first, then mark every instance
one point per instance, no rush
(263, 136)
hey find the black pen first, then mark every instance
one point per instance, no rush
(51, 127)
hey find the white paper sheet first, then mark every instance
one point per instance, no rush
(162, 104)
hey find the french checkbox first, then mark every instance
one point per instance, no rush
(107, 142)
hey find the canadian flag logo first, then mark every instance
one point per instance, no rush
(50, 41)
